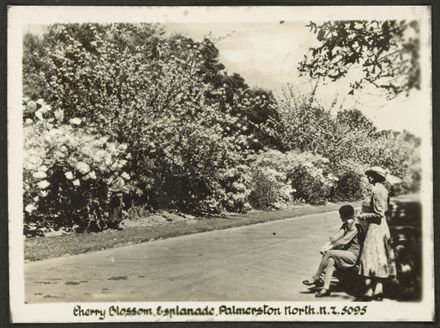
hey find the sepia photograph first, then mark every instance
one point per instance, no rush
(220, 163)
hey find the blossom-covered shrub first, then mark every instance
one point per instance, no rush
(271, 189)
(311, 178)
(234, 188)
(279, 178)
(66, 171)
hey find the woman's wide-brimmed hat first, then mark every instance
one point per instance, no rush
(377, 170)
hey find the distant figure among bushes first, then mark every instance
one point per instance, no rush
(116, 193)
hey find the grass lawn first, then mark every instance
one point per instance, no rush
(39, 248)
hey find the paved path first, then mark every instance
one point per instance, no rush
(263, 262)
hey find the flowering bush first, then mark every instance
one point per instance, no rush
(271, 189)
(234, 189)
(311, 178)
(279, 178)
(66, 171)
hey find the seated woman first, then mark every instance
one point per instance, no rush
(341, 252)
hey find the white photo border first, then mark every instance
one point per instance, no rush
(21, 16)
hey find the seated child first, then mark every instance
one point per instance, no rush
(342, 251)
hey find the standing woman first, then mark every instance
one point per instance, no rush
(377, 256)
